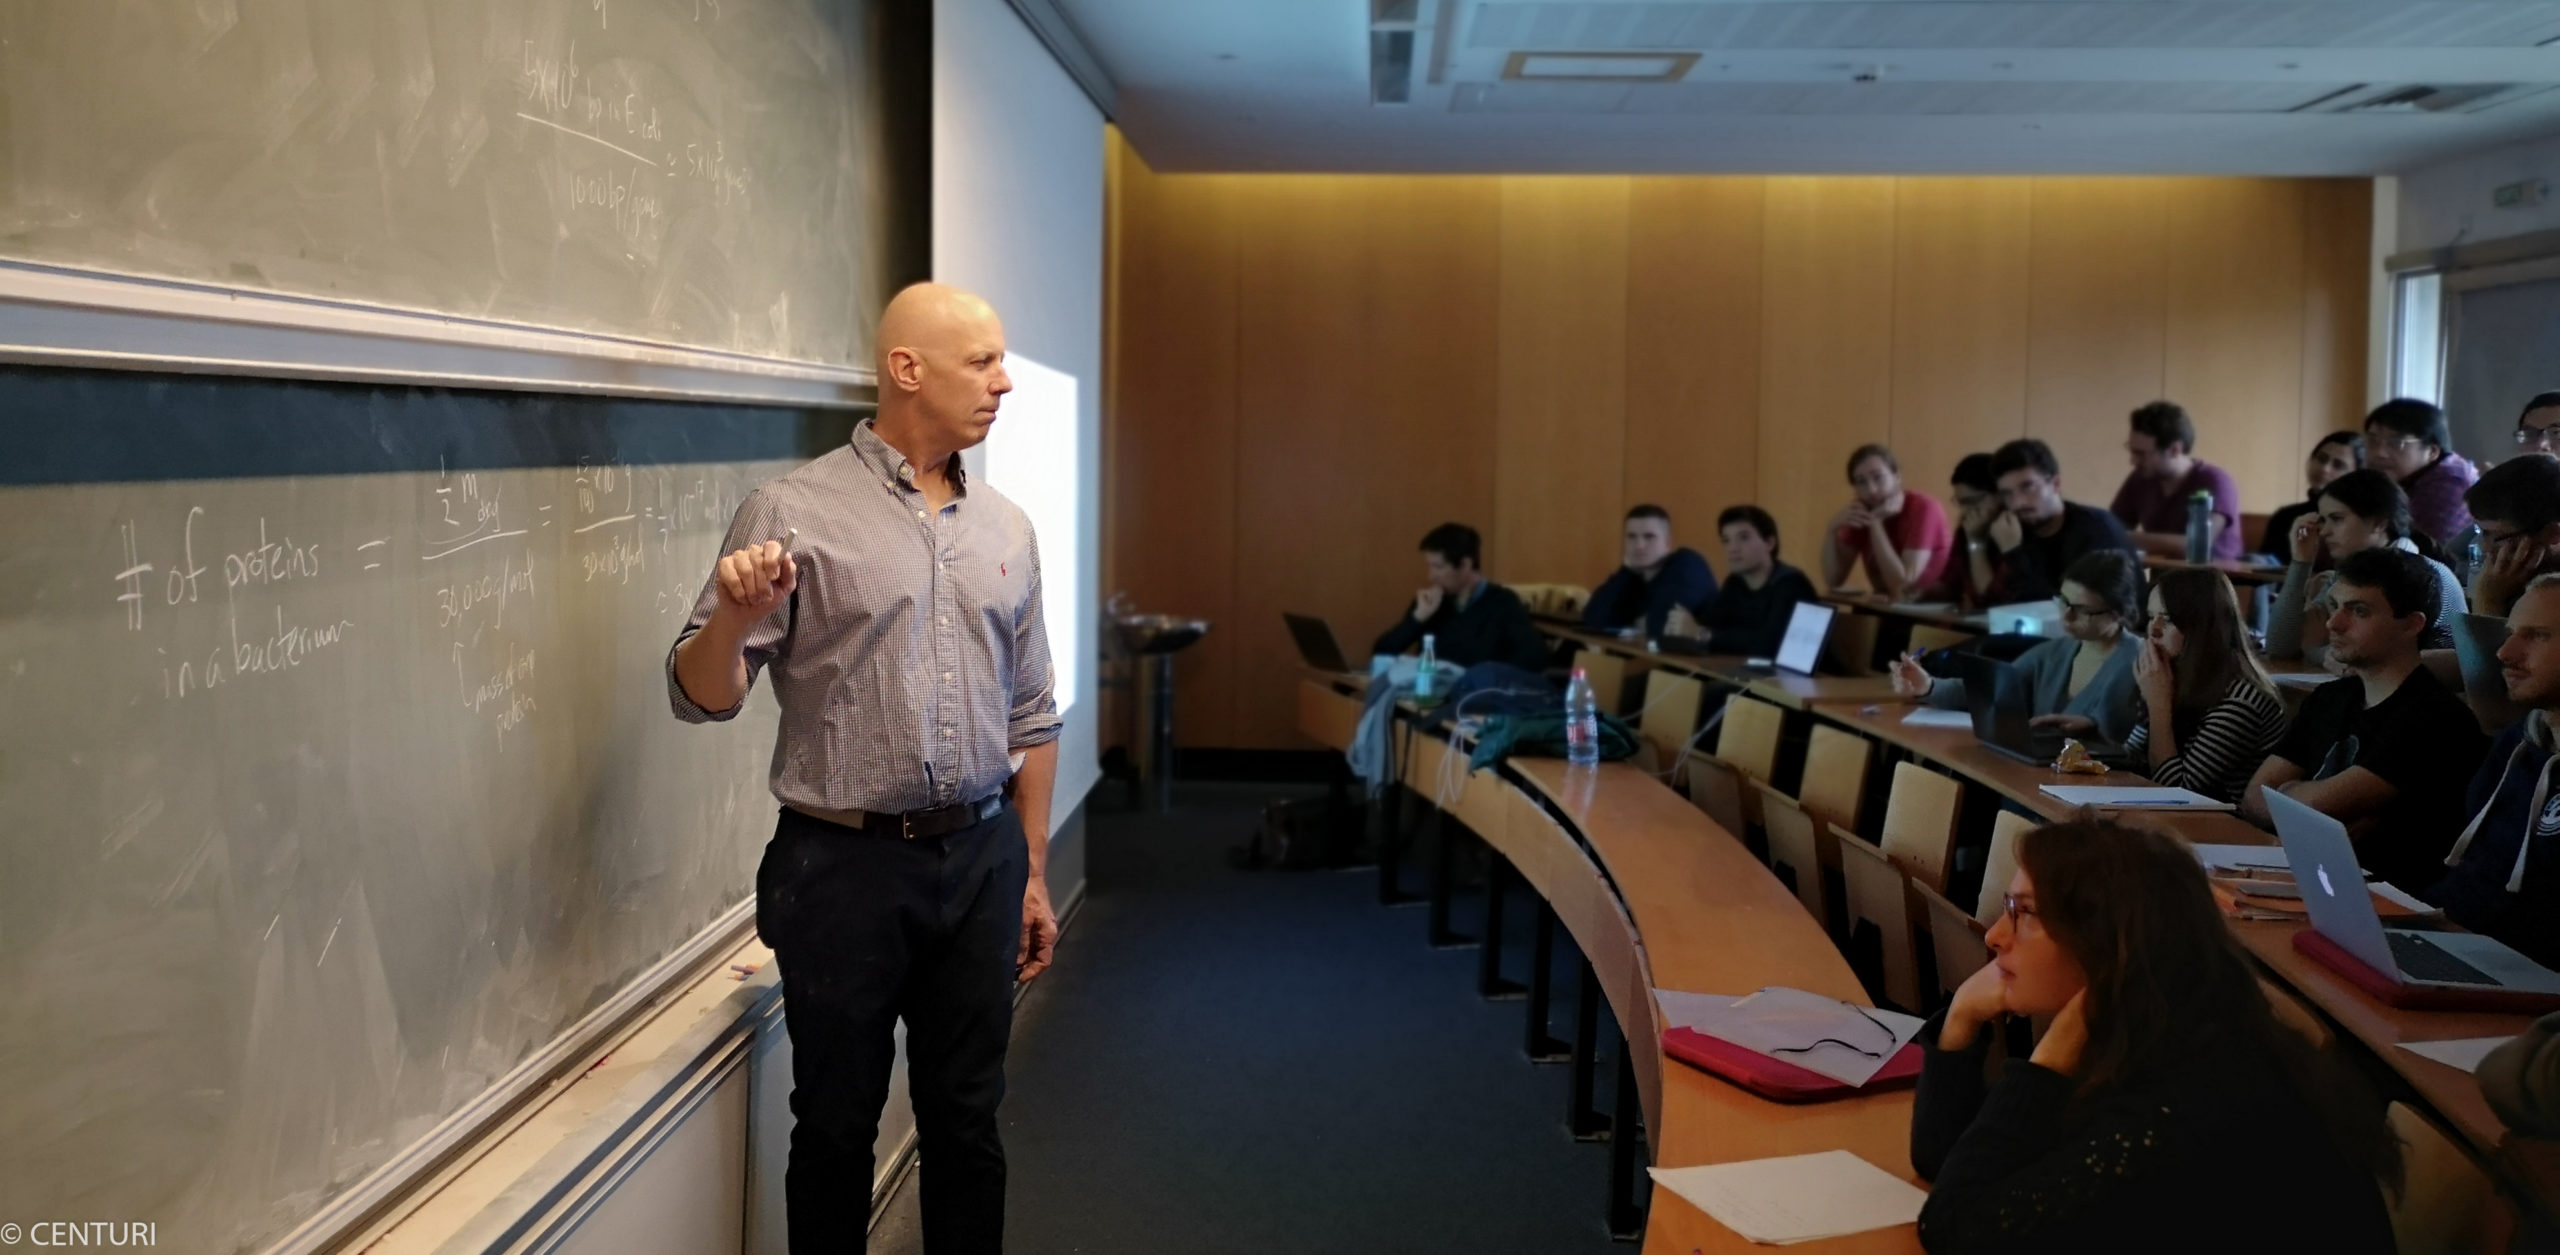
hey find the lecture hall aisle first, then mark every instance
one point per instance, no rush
(1233, 1061)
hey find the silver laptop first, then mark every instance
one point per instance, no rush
(2333, 889)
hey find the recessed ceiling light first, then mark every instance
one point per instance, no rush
(1654, 67)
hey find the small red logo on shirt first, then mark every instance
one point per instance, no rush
(1001, 571)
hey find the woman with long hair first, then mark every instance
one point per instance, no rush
(2337, 453)
(2209, 711)
(2359, 510)
(2165, 1081)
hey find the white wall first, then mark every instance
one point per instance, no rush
(1017, 218)
(2448, 202)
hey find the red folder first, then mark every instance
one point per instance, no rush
(2392, 992)
(1778, 1079)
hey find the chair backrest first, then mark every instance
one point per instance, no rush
(1835, 775)
(2001, 866)
(1608, 675)
(1954, 937)
(1718, 790)
(2447, 1204)
(1553, 599)
(1852, 647)
(1879, 894)
(1929, 636)
(1671, 706)
(1749, 737)
(1795, 844)
(1920, 822)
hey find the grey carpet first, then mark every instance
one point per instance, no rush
(1228, 1061)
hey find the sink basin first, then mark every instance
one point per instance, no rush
(1159, 633)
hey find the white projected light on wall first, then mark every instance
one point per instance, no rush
(1031, 458)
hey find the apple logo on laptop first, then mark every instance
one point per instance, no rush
(2325, 886)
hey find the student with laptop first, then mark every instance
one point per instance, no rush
(2410, 441)
(2517, 505)
(1470, 618)
(1654, 579)
(2209, 711)
(2166, 472)
(2081, 684)
(2505, 867)
(2358, 511)
(1899, 538)
(2386, 750)
(2037, 535)
(2337, 453)
(1760, 594)
(2166, 1089)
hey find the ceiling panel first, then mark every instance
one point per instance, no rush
(1874, 99)
(1831, 24)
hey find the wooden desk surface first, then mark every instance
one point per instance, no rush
(1734, 671)
(1712, 919)
(1958, 751)
(1956, 617)
(2237, 572)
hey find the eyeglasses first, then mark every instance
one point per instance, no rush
(1820, 1042)
(2393, 442)
(2019, 912)
(2538, 437)
(2070, 611)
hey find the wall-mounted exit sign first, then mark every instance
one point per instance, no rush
(2521, 194)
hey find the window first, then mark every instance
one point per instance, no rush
(2417, 337)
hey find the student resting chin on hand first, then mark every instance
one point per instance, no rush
(2165, 1081)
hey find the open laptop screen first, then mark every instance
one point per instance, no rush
(1806, 629)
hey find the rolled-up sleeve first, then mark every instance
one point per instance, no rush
(1033, 719)
(757, 520)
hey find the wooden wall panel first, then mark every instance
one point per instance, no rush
(1959, 323)
(1826, 355)
(1693, 350)
(1169, 436)
(2235, 334)
(1559, 483)
(1307, 372)
(2336, 296)
(2097, 311)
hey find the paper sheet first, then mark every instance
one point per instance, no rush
(1793, 1025)
(2464, 1053)
(2133, 797)
(1799, 1198)
(1932, 717)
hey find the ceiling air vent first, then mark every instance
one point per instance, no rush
(2420, 98)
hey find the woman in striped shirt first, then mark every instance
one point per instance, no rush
(2210, 714)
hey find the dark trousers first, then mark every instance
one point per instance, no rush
(870, 929)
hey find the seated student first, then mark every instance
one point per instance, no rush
(2166, 471)
(1470, 618)
(1975, 490)
(2538, 428)
(1655, 578)
(2337, 453)
(2165, 1080)
(2083, 681)
(2517, 505)
(2359, 511)
(2037, 534)
(2505, 877)
(2209, 712)
(2409, 440)
(1760, 593)
(2387, 749)
(1900, 539)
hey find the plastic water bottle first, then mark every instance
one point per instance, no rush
(1581, 722)
(2200, 527)
(2467, 555)
(1428, 673)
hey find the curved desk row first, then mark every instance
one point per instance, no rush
(1658, 896)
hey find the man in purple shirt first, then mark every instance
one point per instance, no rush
(2166, 472)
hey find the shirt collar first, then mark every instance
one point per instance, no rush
(893, 466)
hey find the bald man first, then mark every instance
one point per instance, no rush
(897, 607)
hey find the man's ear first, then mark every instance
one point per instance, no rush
(906, 369)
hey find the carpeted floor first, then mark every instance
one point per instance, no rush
(1232, 1061)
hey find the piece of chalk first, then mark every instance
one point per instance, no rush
(790, 538)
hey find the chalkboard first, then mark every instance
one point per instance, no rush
(707, 173)
(338, 767)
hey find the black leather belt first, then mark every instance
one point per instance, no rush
(934, 822)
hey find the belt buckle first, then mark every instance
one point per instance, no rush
(906, 826)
